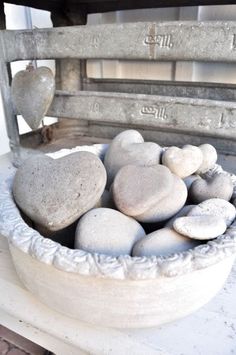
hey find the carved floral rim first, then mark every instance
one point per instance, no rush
(29, 241)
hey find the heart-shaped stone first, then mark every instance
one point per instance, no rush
(136, 189)
(209, 154)
(32, 93)
(219, 186)
(55, 193)
(168, 206)
(129, 148)
(183, 162)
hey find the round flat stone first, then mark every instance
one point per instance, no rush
(168, 206)
(183, 212)
(200, 227)
(183, 162)
(129, 148)
(209, 154)
(219, 186)
(163, 242)
(216, 207)
(136, 189)
(55, 193)
(106, 231)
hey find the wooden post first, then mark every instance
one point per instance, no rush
(70, 72)
(5, 82)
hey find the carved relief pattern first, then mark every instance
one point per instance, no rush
(29, 241)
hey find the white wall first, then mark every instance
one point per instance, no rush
(16, 19)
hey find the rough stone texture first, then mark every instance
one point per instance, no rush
(183, 212)
(219, 186)
(168, 206)
(200, 227)
(216, 207)
(136, 189)
(162, 242)
(183, 162)
(55, 193)
(32, 94)
(129, 148)
(209, 154)
(106, 231)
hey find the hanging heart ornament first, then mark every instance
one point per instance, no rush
(32, 93)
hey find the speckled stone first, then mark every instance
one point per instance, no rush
(200, 227)
(183, 162)
(128, 148)
(106, 231)
(106, 200)
(183, 212)
(216, 207)
(209, 154)
(32, 94)
(55, 193)
(136, 189)
(219, 186)
(163, 242)
(168, 206)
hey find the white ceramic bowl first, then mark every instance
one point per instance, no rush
(115, 292)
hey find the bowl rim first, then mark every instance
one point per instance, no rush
(31, 242)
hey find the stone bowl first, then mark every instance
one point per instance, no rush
(125, 291)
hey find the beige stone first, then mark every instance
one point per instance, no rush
(183, 162)
(106, 231)
(129, 148)
(209, 154)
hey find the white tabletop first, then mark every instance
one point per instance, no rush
(209, 331)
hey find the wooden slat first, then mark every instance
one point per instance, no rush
(204, 117)
(199, 41)
(211, 91)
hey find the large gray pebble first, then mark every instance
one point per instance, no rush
(216, 207)
(168, 206)
(163, 242)
(183, 212)
(219, 186)
(137, 189)
(106, 231)
(209, 158)
(183, 162)
(200, 227)
(55, 193)
(127, 148)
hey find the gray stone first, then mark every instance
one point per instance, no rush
(183, 212)
(219, 186)
(190, 179)
(200, 227)
(183, 162)
(106, 231)
(136, 189)
(55, 193)
(209, 154)
(216, 207)
(129, 148)
(163, 242)
(32, 94)
(168, 206)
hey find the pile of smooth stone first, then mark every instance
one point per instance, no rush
(139, 187)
